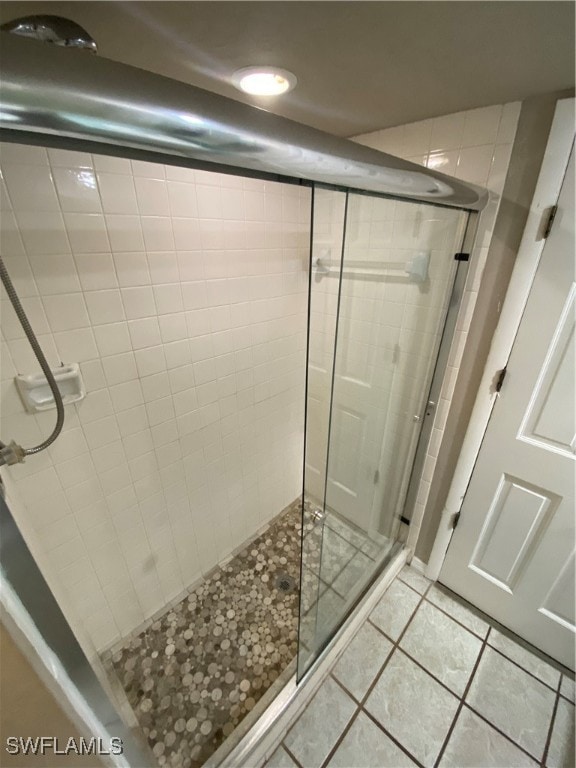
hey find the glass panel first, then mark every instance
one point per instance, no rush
(395, 280)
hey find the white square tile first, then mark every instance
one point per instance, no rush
(96, 405)
(10, 240)
(508, 122)
(177, 353)
(182, 378)
(117, 193)
(132, 269)
(178, 173)
(173, 328)
(105, 306)
(43, 232)
(481, 126)
(168, 299)
(67, 312)
(120, 368)
(24, 154)
(158, 233)
(160, 410)
(67, 158)
(141, 168)
(182, 198)
(126, 396)
(151, 360)
(96, 271)
(138, 302)
(76, 346)
(125, 232)
(194, 295)
(474, 164)
(132, 421)
(30, 187)
(77, 190)
(163, 267)
(101, 432)
(155, 387)
(87, 232)
(447, 132)
(112, 339)
(76, 470)
(55, 274)
(109, 164)
(144, 333)
(187, 235)
(152, 197)
(34, 309)
(21, 274)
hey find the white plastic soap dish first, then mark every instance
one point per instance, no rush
(37, 395)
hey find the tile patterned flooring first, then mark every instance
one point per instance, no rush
(428, 682)
(192, 675)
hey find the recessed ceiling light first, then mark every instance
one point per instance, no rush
(264, 81)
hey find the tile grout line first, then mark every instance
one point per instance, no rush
(497, 650)
(478, 714)
(532, 675)
(552, 724)
(364, 711)
(502, 629)
(461, 703)
(359, 707)
(290, 754)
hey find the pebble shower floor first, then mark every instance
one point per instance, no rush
(194, 674)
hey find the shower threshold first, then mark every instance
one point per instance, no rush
(210, 664)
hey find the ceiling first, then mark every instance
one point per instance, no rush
(361, 66)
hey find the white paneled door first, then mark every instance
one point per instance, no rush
(512, 554)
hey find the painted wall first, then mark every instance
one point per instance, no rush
(182, 294)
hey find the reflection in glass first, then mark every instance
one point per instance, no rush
(379, 299)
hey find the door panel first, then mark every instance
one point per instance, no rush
(512, 554)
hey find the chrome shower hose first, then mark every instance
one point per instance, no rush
(36, 348)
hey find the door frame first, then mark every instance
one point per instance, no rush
(546, 194)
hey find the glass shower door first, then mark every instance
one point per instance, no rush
(381, 281)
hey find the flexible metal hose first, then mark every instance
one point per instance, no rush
(37, 349)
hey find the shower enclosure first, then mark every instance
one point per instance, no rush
(382, 277)
(257, 353)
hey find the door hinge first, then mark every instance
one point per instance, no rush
(551, 214)
(455, 520)
(461, 256)
(376, 477)
(501, 375)
(405, 520)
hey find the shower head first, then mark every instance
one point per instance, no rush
(52, 29)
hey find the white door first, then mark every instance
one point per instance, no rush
(512, 553)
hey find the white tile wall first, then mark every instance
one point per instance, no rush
(474, 146)
(183, 296)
